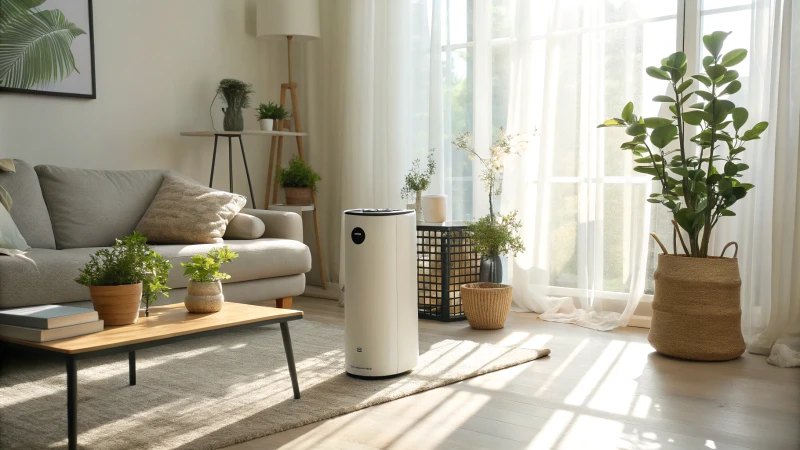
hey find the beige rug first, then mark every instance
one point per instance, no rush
(212, 392)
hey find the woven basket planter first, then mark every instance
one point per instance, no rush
(696, 308)
(486, 305)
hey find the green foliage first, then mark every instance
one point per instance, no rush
(272, 111)
(698, 184)
(497, 235)
(34, 44)
(129, 261)
(418, 180)
(298, 174)
(236, 93)
(205, 268)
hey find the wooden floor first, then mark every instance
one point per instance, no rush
(596, 390)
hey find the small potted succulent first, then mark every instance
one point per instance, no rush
(204, 292)
(237, 97)
(122, 276)
(265, 112)
(417, 181)
(299, 182)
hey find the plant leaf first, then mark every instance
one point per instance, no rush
(734, 57)
(657, 73)
(732, 88)
(636, 129)
(713, 42)
(695, 117)
(663, 98)
(683, 86)
(655, 122)
(716, 72)
(663, 135)
(708, 96)
(627, 112)
(703, 79)
(675, 60)
(739, 117)
(35, 49)
(612, 123)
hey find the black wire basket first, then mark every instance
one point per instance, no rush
(445, 261)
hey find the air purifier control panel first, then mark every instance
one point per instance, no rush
(358, 235)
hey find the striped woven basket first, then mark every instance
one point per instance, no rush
(486, 305)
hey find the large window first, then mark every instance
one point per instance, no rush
(591, 57)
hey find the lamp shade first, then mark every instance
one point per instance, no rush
(281, 18)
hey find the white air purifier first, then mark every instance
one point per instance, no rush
(380, 312)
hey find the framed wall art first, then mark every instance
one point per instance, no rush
(47, 47)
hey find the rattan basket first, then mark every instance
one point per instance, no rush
(486, 305)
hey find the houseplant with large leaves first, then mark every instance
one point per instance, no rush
(695, 158)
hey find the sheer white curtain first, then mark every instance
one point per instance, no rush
(371, 90)
(583, 208)
(767, 225)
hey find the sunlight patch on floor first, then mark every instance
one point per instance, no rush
(617, 390)
(593, 432)
(557, 373)
(595, 374)
(552, 431)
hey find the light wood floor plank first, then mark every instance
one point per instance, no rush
(596, 390)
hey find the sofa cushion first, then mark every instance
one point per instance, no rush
(92, 208)
(260, 258)
(186, 212)
(29, 211)
(41, 276)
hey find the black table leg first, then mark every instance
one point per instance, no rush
(287, 345)
(213, 161)
(230, 163)
(247, 171)
(132, 368)
(72, 402)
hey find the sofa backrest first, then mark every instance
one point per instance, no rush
(92, 208)
(29, 211)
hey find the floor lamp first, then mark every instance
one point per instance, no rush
(293, 20)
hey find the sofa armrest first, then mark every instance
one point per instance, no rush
(279, 224)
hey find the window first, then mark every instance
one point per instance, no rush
(590, 57)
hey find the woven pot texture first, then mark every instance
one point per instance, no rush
(486, 305)
(697, 313)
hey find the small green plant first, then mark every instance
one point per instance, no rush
(236, 93)
(279, 113)
(496, 236)
(205, 268)
(129, 261)
(266, 110)
(298, 174)
(698, 185)
(418, 180)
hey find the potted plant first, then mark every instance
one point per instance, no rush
(116, 276)
(486, 304)
(299, 182)
(417, 181)
(265, 112)
(237, 96)
(204, 292)
(696, 306)
(278, 115)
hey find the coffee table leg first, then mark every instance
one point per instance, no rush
(287, 345)
(72, 402)
(132, 368)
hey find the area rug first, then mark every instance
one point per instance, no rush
(217, 391)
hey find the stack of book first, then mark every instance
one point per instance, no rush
(48, 322)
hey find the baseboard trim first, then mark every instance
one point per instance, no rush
(332, 293)
(640, 321)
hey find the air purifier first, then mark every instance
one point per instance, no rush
(380, 311)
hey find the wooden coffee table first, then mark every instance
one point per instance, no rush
(166, 324)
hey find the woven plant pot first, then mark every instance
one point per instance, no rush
(696, 308)
(204, 297)
(299, 195)
(486, 305)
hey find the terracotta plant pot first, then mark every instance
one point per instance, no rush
(486, 305)
(696, 308)
(299, 195)
(204, 297)
(117, 305)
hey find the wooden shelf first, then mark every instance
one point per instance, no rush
(240, 133)
(291, 208)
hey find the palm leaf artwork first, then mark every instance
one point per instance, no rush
(34, 44)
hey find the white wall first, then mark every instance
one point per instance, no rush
(158, 63)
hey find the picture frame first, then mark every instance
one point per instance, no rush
(67, 67)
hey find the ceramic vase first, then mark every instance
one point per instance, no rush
(204, 297)
(434, 208)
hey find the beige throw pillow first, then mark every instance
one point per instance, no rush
(245, 226)
(185, 212)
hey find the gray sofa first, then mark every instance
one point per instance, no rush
(67, 214)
